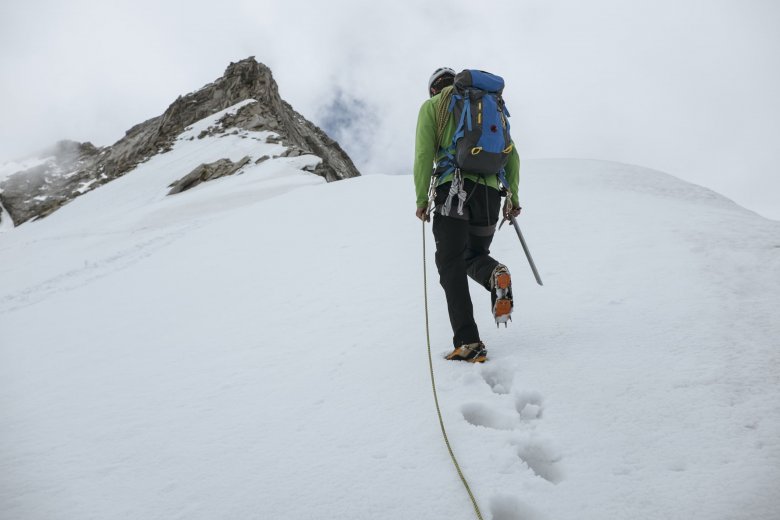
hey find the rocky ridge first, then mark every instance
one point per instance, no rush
(73, 169)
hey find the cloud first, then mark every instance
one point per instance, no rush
(353, 123)
(688, 88)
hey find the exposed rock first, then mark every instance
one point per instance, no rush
(78, 168)
(39, 191)
(207, 172)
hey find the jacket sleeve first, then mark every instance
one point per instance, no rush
(424, 152)
(513, 175)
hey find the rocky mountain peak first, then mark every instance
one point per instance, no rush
(77, 168)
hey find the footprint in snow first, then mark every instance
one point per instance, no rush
(529, 405)
(480, 414)
(542, 460)
(507, 507)
(498, 378)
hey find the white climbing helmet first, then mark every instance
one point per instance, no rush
(440, 78)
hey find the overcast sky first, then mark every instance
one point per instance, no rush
(689, 87)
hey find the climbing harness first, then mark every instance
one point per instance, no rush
(433, 379)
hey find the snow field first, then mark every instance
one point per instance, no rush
(255, 348)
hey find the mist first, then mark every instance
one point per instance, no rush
(688, 88)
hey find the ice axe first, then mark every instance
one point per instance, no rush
(525, 247)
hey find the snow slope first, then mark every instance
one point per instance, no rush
(255, 348)
(6, 223)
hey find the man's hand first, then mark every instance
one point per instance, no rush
(514, 212)
(422, 214)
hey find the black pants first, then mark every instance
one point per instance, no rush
(462, 249)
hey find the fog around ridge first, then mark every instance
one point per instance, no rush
(687, 89)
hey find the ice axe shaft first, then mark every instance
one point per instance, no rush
(525, 249)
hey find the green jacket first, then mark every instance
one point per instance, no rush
(425, 151)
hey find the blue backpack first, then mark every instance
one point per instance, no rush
(481, 143)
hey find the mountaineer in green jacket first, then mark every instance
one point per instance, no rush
(466, 204)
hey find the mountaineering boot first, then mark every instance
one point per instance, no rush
(501, 292)
(471, 352)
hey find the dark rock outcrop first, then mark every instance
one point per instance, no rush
(76, 168)
(207, 172)
(40, 190)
